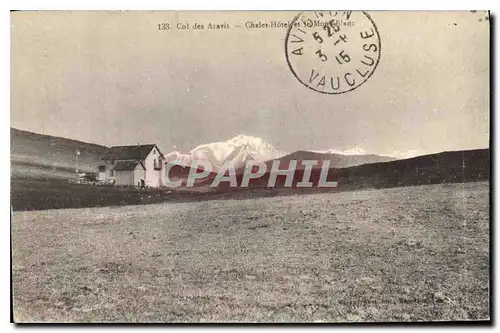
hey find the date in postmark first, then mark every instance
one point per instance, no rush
(333, 52)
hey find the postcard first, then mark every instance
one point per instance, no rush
(250, 166)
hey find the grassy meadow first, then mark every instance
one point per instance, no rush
(400, 254)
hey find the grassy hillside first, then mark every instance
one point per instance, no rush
(37, 194)
(446, 167)
(45, 156)
(403, 254)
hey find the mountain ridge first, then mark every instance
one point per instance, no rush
(336, 160)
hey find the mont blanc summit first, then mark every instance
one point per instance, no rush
(237, 150)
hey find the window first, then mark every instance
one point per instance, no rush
(157, 164)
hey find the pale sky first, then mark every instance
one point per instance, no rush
(113, 78)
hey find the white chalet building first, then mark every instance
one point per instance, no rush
(139, 165)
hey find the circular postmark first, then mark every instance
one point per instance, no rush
(332, 52)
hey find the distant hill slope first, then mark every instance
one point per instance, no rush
(446, 167)
(46, 156)
(336, 160)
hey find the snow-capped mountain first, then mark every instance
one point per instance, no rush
(237, 150)
(397, 154)
(352, 151)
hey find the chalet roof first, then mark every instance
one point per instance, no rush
(136, 152)
(127, 165)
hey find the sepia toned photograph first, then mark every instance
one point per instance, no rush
(250, 166)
